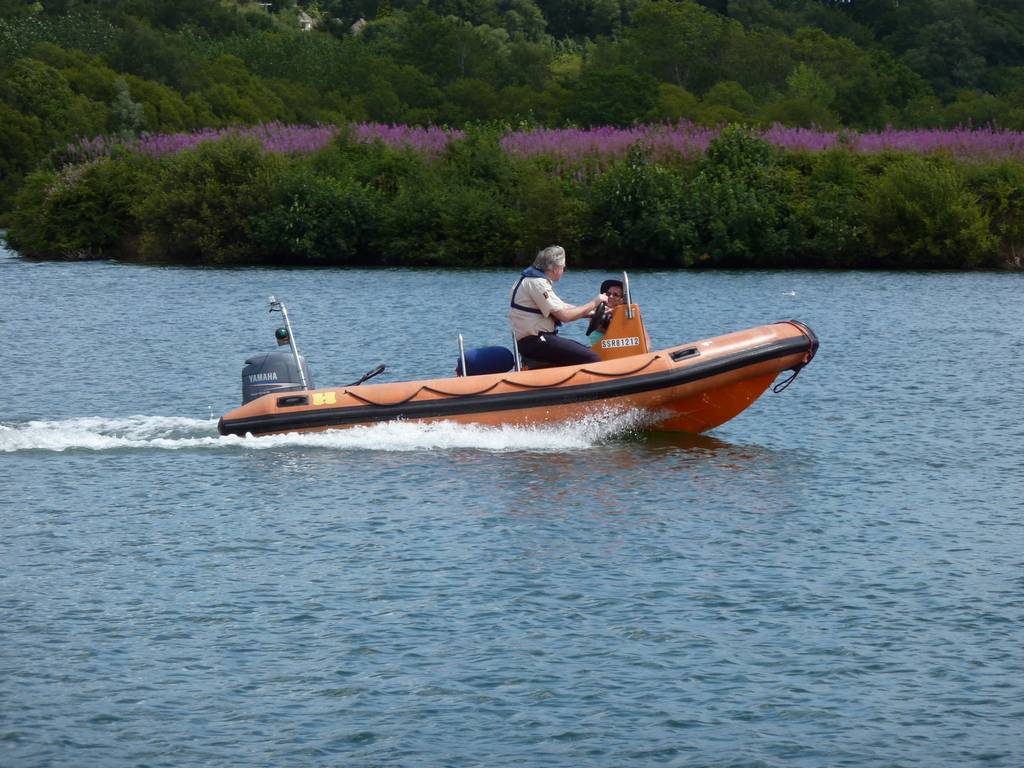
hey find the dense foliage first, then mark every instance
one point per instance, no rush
(110, 71)
(744, 202)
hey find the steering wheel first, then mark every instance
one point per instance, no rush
(596, 319)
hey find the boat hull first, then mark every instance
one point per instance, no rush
(690, 387)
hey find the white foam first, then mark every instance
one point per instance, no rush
(100, 434)
(177, 433)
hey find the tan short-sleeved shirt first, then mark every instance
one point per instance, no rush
(536, 293)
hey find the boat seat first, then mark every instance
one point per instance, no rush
(483, 360)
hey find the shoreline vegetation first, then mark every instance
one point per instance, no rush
(659, 196)
(641, 133)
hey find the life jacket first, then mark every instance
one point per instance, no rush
(531, 272)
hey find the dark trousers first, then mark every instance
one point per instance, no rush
(551, 348)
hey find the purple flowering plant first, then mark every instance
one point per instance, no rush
(573, 147)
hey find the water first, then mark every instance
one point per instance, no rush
(834, 578)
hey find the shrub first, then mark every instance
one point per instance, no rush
(921, 215)
(411, 232)
(21, 144)
(478, 159)
(638, 216)
(376, 165)
(1001, 191)
(550, 210)
(469, 209)
(440, 220)
(829, 210)
(478, 228)
(207, 202)
(742, 200)
(28, 230)
(88, 210)
(315, 219)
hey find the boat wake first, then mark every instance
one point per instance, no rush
(179, 433)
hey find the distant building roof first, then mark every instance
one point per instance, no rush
(357, 26)
(306, 21)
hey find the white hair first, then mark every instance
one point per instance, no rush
(550, 257)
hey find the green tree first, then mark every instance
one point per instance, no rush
(673, 103)
(14, 8)
(729, 93)
(639, 215)
(35, 88)
(82, 211)
(873, 91)
(806, 102)
(920, 214)
(470, 99)
(566, 18)
(758, 59)
(127, 117)
(147, 53)
(829, 210)
(522, 18)
(678, 42)
(235, 94)
(618, 95)
(86, 75)
(976, 109)
(206, 204)
(21, 145)
(743, 203)
(315, 219)
(946, 55)
(446, 49)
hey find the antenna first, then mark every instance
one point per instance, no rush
(278, 306)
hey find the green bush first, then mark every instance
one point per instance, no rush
(550, 210)
(638, 216)
(28, 229)
(411, 231)
(445, 222)
(1000, 187)
(315, 219)
(21, 145)
(207, 203)
(83, 211)
(743, 204)
(479, 160)
(478, 228)
(829, 210)
(920, 214)
(375, 165)
(476, 206)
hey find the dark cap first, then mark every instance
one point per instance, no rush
(610, 284)
(281, 334)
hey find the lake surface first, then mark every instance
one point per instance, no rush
(834, 578)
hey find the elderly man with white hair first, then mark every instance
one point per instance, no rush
(536, 312)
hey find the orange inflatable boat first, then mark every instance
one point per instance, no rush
(690, 387)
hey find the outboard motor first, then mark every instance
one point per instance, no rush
(274, 371)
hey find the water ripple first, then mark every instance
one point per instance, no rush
(834, 578)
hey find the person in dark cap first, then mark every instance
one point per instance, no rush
(614, 297)
(613, 290)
